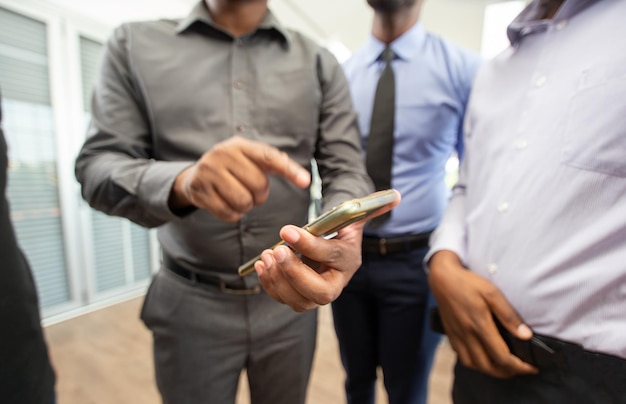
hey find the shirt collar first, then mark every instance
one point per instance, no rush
(200, 14)
(530, 20)
(404, 46)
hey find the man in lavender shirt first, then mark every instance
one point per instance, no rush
(535, 235)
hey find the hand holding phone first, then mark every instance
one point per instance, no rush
(330, 222)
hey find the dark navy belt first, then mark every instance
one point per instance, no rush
(394, 245)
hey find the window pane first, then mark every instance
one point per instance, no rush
(29, 129)
(90, 52)
(141, 252)
(108, 247)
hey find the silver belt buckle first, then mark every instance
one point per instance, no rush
(252, 291)
(382, 246)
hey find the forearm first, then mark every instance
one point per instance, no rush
(136, 189)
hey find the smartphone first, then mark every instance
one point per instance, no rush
(330, 222)
(533, 351)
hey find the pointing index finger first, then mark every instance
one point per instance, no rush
(273, 161)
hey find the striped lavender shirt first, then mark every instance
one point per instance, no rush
(540, 208)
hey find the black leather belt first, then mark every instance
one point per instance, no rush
(573, 356)
(393, 245)
(236, 287)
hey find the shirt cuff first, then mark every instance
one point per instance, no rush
(156, 184)
(450, 238)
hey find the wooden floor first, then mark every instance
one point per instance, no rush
(105, 358)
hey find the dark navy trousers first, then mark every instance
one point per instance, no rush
(381, 320)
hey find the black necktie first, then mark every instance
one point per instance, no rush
(379, 155)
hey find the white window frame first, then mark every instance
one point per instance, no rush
(64, 30)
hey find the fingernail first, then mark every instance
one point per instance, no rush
(280, 253)
(303, 175)
(524, 331)
(290, 235)
(267, 260)
(259, 267)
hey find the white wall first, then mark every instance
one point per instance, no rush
(460, 21)
(347, 21)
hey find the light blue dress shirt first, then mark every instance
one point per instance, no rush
(433, 80)
(540, 207)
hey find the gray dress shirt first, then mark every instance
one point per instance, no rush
(171, 90)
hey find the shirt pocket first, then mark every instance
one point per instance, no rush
(595, 130)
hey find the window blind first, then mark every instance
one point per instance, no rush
(29, 128)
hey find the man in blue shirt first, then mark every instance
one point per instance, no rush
(380, 318)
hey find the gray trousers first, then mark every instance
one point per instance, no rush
(204, 338)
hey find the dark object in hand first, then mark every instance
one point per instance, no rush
(533, 351)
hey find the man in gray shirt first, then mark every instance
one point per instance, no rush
(206, 128)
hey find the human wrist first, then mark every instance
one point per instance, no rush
(178, 200)
(443, 259)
